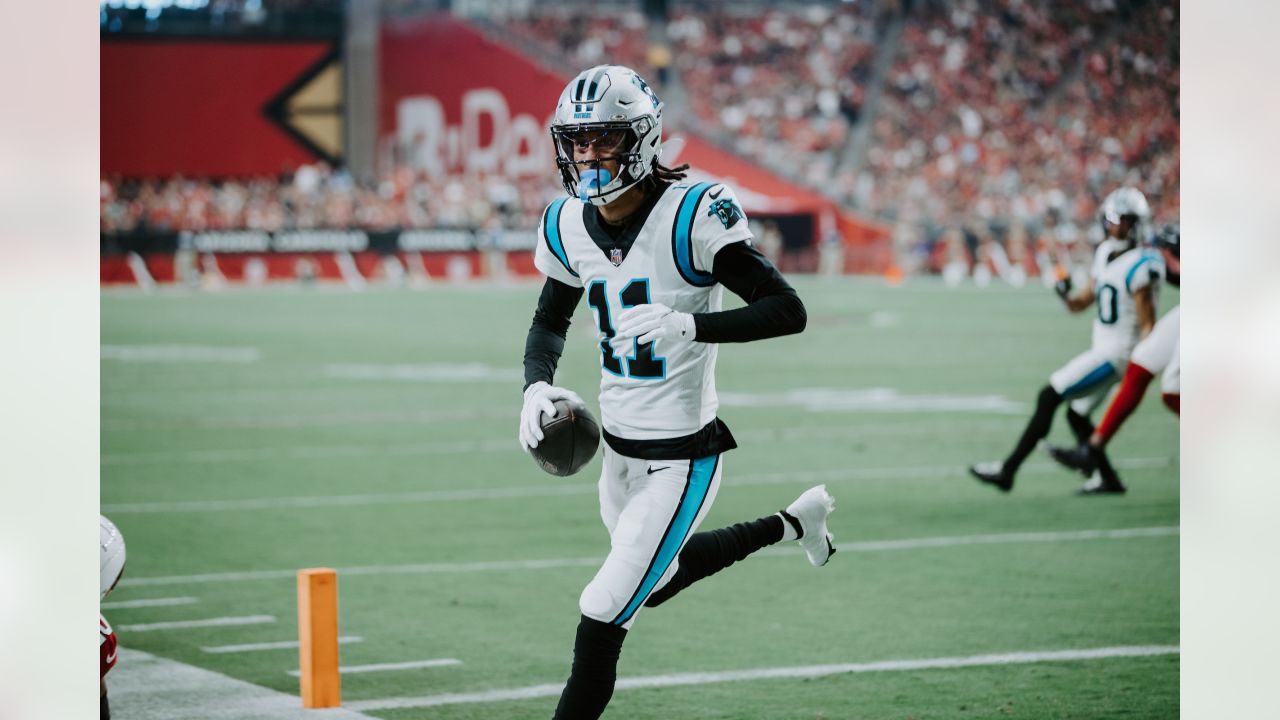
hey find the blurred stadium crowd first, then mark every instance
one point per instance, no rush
(1005, 121)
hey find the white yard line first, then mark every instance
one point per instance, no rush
(281, 645)
(306, 452)
(382, 667)
(180, 353)
(532, 491)
(509, 565)
(449, 447)
(146, 687)
(205, 622)
(148, 602)
(771, 673)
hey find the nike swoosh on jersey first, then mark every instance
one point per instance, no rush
(716, 194)
(653, 470)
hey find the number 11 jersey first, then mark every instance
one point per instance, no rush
(663, 389)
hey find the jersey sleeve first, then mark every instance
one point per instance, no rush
(1101, 257)
(718, 221)
(550, 255)
(1146, 271)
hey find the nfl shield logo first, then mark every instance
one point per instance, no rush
(615, 256)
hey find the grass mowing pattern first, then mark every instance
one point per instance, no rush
(289, 425)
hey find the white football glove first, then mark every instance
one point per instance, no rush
(538, 399)
(656, 321)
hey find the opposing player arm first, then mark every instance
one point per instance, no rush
(545, 342)
(1144, 304)
(773, 308)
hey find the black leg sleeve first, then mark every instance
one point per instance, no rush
(1037, 429)
(707, 553)
(1081, 426)
(104, 712)
(595, 670)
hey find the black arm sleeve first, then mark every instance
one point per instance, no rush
(773, 307)
(551, 320)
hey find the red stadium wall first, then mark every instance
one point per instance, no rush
(482, 107)
(196, 108)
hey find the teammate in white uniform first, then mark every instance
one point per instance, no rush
(1158, 353)
(1123, 284)
(651, 254)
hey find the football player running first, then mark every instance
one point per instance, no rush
(1123, 282)
(652, 254)
(1158, 353)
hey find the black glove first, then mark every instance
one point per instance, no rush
(1063, 287)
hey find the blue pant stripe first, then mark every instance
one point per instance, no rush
(1094, 377)
(701, 471)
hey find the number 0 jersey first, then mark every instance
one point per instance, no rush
(1115, 329)
(664, 389)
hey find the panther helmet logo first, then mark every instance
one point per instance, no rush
(727, 210)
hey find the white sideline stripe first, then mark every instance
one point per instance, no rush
(282, 645)
(146, 687)
(180, 353)
(531, 491)
(805, 671)
(505, 565)
(148, 602)
(380, 667)
(206, 622)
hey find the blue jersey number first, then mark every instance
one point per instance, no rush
(1108, 304)
(641, 363)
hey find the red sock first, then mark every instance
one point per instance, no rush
(1174, 401)
(1135, 382)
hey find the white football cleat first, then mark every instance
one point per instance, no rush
(811, 510)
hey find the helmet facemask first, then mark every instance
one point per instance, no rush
(610, 110)
(617, 141)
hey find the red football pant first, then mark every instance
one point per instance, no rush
(1135, 382)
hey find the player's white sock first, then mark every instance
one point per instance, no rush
(788, 529)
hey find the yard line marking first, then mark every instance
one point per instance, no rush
(533, 491)
(380, 667)
(474, 372)
(148, 602)
(180, 353)
(804, 671)
(879, 400)
(155, 688)
(305, 452)
(287, 421)
(449, 447)
(507, 565)
(282, 645)
(206, 622)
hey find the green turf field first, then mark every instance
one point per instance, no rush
(376, 433)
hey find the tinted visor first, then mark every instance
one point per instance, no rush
(605, 141)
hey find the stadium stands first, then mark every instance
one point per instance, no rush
(1008, 119)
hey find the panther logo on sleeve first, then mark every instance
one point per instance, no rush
(727, 210)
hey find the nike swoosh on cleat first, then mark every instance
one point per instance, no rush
(716, 194)
(653, 470)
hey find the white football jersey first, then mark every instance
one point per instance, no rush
(663, 389)
(1115, 329)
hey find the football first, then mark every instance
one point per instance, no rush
(569, 439)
